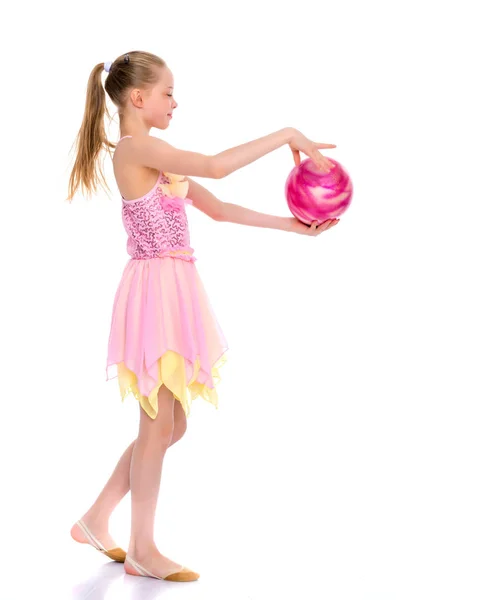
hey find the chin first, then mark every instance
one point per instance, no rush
(164, 125)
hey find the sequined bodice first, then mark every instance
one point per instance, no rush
(156, 223)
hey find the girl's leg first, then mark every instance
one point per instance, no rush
(153, 440)
(98, 515)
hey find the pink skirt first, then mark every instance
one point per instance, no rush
(164, 332)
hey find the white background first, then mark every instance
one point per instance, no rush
(342, 462)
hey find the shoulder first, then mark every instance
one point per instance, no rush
(146, 141)
(140, 144)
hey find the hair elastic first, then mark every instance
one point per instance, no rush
(107, 66)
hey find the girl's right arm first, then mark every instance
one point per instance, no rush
(240, 156)
(235, 158)
(157, 154)
(152, 152)
(149, 151)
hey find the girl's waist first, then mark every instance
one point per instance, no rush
(184, 253)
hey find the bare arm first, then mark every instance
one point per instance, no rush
(208, 203)
(204, 200)
(235, 158)
(227, 212)
(233, 213)
(149, 151)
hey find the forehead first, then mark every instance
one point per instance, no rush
(164, 86)
(167, 79)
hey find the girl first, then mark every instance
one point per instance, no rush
(165, 344)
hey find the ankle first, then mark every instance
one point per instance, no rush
(95, 518)
(140, 548)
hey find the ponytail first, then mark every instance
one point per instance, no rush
(91, 139)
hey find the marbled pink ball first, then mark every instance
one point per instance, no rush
(314, 196)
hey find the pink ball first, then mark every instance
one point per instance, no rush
(314, 196)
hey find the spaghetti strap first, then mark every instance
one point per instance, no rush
(125, 136)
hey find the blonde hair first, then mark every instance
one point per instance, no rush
(132, 70)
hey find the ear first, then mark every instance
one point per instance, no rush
(136, 96)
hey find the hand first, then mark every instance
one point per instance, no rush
(299, 142)
(296, 226)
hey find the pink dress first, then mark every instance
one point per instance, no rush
(163, 328)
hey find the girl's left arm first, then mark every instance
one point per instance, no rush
(208, 203)
(204, 200)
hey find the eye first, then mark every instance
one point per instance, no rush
(170, 95)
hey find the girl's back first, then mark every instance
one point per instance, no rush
(156, 222)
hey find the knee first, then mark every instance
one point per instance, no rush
(157, 432)
(165, 433)
(180, 429)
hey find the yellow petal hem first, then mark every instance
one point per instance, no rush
(172, 374)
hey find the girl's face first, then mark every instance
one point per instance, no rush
(160, 103)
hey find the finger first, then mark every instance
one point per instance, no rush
(318, 160)
(324, 225)
(318, 145)
(327, 163)
(330, 165)
(296, 156)
(323, 164)
(332, 223)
